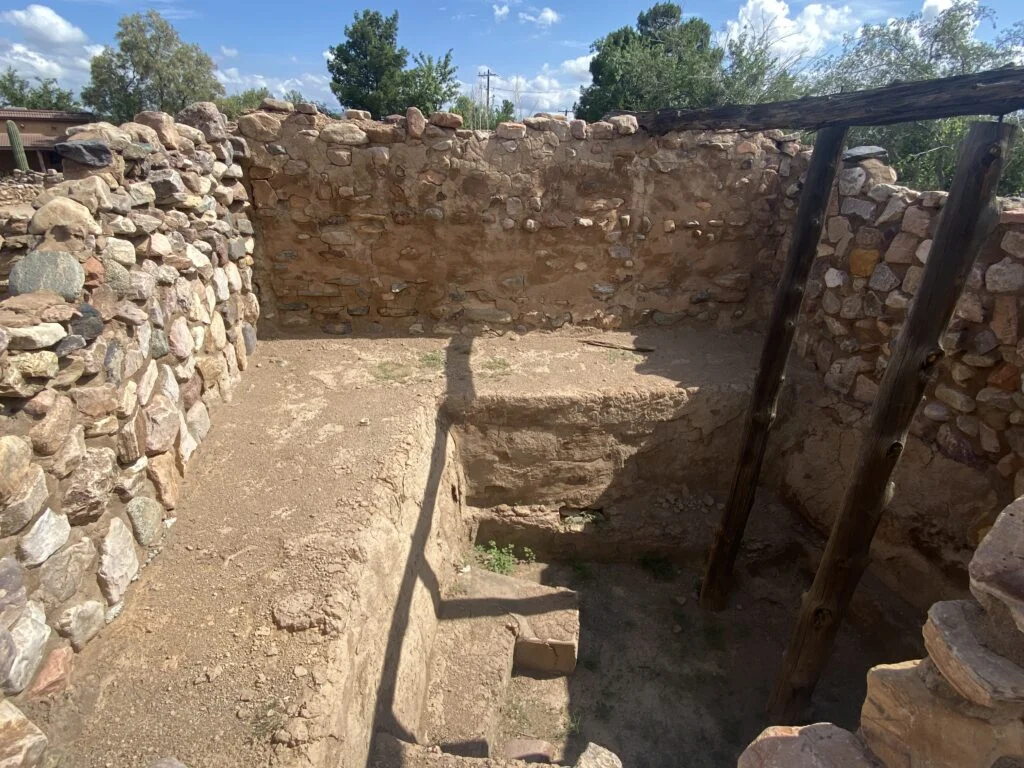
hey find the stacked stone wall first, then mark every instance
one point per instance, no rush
(870, 262)
(128, 311)
(22, 187)
(416, 225)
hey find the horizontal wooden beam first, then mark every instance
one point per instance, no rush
(996, 92)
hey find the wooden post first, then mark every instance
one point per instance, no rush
(968, 218)
(771, 374)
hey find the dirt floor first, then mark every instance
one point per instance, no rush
(663, 683)
(195, 667)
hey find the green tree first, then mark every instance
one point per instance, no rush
(368, 70)
(235, 104)
(754, 73)
(17, 91)
(151, 68)
(506, 113)
(431, 83)
(476, 114)
(916, 48)
(663, 61)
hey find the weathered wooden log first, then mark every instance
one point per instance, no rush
(996, 92)
(771, 373)
(967, 220)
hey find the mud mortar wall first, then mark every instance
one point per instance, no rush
(965, 457)
(414, 227)
(128, 310)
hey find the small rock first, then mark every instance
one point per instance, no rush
(81, 623)
(47, 535)
(146, 516)
(23, 745)
(118, 561)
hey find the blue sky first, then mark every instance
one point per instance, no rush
(541, 47)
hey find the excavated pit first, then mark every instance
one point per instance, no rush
(615, 497)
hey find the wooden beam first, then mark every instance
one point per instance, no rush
(967, 220)
(771, 373)
(996, 92)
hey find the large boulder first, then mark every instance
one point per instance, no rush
(55, 271)
(821, 745)
(204, 116)
(66, 213)
(93, 153)
(163, 124)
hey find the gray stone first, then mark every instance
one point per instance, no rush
(13, 596)
(70, 453)
(595, 756)
(20, 659)
(147, 517)
(204, 116)
(883, 278)
(56, 271)
(36, 336)
(91, 153)
(65, 215)
(198, 421)
(23, 745)
(89, 488)
(61, 575)
(955, 398)
(69, 344)
(166, 182)
(15, 460)
(856, 154)
(853, 206)
(118, 562)
(25, 503)
(81, 623)
(851, 180)
(162, 422)
(936, 411)
(344, 133)
(1006, 276)
(47, 535)
(89, 323)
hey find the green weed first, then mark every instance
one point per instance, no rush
(502, 560)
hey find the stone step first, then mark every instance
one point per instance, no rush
(913, 717)
(389, 752)
(547, 618)
(997, 568)
(488, 622)
(469, 673)
(821, 745)
(960, 639)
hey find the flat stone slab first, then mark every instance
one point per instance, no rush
(912, 717)
(821, 745)
(389, 752)
(997, 568)
(952, 636)
(547, 618)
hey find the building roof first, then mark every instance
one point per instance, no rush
(56, 115)
(29, 141)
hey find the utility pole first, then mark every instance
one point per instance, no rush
(488, 74)
(566, 112)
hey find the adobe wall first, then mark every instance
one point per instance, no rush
(416, 226)
(128, 309)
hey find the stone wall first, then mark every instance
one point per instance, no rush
(412, 225)
(129, 309)
(21, 187)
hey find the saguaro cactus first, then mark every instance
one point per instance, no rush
(20, 160)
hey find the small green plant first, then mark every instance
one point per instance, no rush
(265, 721)
(659, 567)
(389, 371)
(714, 634)
(575, 724)
(433, 359)
(497, 365)
(581, 570)
(502, 560)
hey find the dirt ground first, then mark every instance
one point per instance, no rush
(663, 683)
(195, 667)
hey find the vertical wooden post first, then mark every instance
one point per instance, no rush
(771, 374)
(968, 218)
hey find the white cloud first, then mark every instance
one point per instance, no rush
(545, 18)
(229, 53)
(42, 25)
(500, 12)
(815, 28)
(932, 8)
(552, 89)
(311, 85)
(42, 43)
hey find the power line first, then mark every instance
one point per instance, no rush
(488, 74)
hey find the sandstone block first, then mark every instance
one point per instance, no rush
(822, 745)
